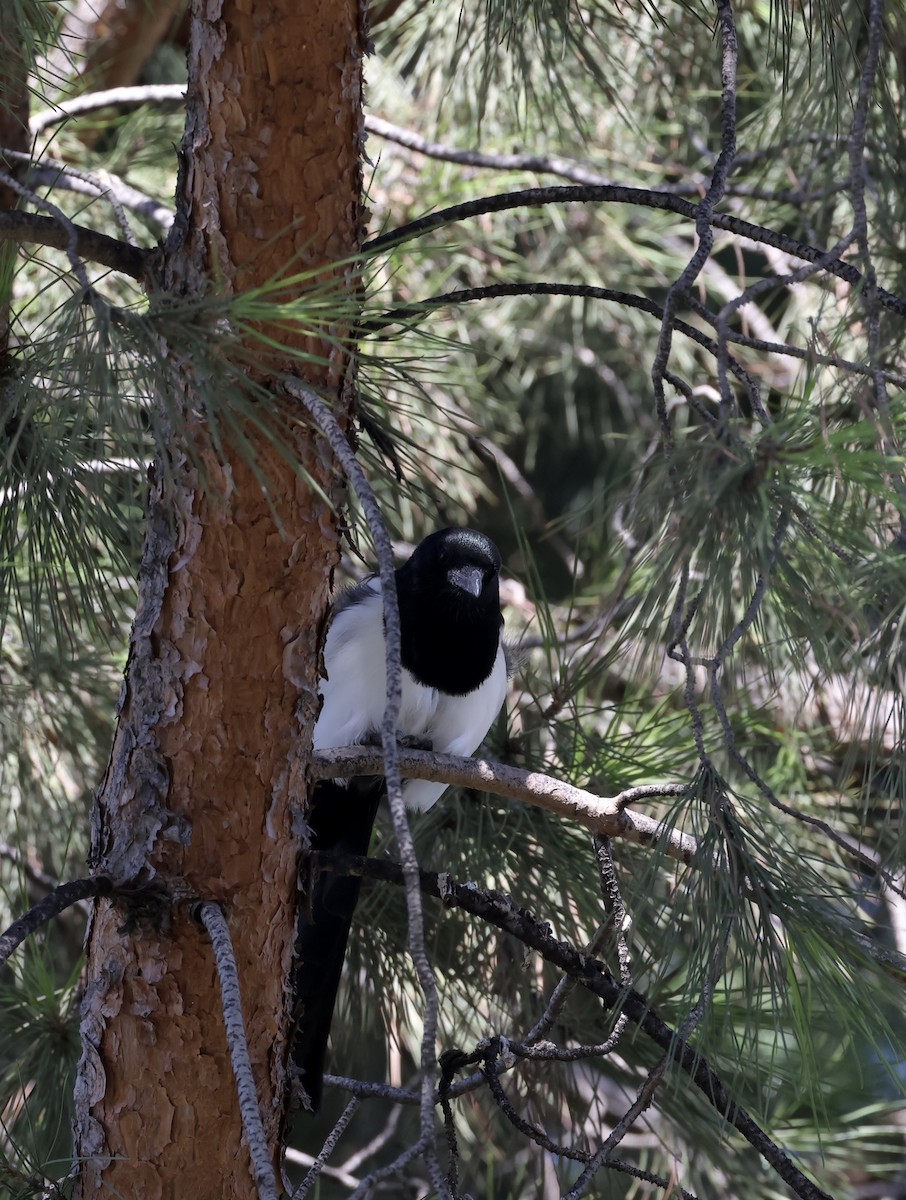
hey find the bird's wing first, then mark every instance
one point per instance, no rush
(355, 690)
(354, 663)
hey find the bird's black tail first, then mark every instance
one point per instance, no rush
(341, 820)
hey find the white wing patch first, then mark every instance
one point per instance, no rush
(354, 695)
(355, 690)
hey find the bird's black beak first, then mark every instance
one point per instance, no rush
(469, 579)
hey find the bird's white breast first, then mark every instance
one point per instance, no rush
(457, 726)
(355, 696)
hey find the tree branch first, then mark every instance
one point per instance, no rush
(52, 172)
(90, 246)
(21, 861)
(606, 815)
(499, 290)
(499, 910)
(554, 164)
(704, 229)
(589, 188)
(618, 194)
(411, 312)
(118, 97)
(336, 438)
(212, 918)
(318, 1164)
(61, 898)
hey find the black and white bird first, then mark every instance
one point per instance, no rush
(453, 686)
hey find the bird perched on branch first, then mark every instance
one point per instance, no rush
(453, 686)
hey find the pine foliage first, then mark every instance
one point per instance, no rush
(699, 493)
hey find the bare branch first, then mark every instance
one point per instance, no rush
(599, 814)
(326, 1150)
(340, 1174)
(412, 312)
(366, 1188)
(541, 164)
(554, 164)
(119, 97)
(88, 245)
(61, 898)
(380, 1139)
(79, 180)
(71, 243)
(618, 194)
(499, 910)
(498, 290)
(704, 229)
(21, 861)
(592, 188)
(338, 442)
(54, 173)
(212, 917)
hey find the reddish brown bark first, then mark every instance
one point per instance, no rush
(207, 770)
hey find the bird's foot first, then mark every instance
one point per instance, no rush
(410, 742)
(406, 741)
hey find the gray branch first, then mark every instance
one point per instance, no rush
(211, 916)
(336, 438)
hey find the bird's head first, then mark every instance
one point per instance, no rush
(449, 602)
(458, 565)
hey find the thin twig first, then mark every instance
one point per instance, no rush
(448, 1065)
(19, 860)
(681, 619)
(340, 1174)
(495, 1055)
(535, 1044)
(410, 312)
(704, 229)
(615, 906)
(751, 293)
(618, 194)
(355, 1160)
(554, 164)
(369, 1183)
(53, 172)
(870, 293)
(77, 179)
(540, 164)
(71, 240)
(851, 848)
(759, 591)
(326, 1150)
(336, 438)
(212, 917)
(645, 1096)
(499, 910)
(494, 1049)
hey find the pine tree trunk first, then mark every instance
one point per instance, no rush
(209, 759)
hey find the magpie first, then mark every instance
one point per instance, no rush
(453, 686)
